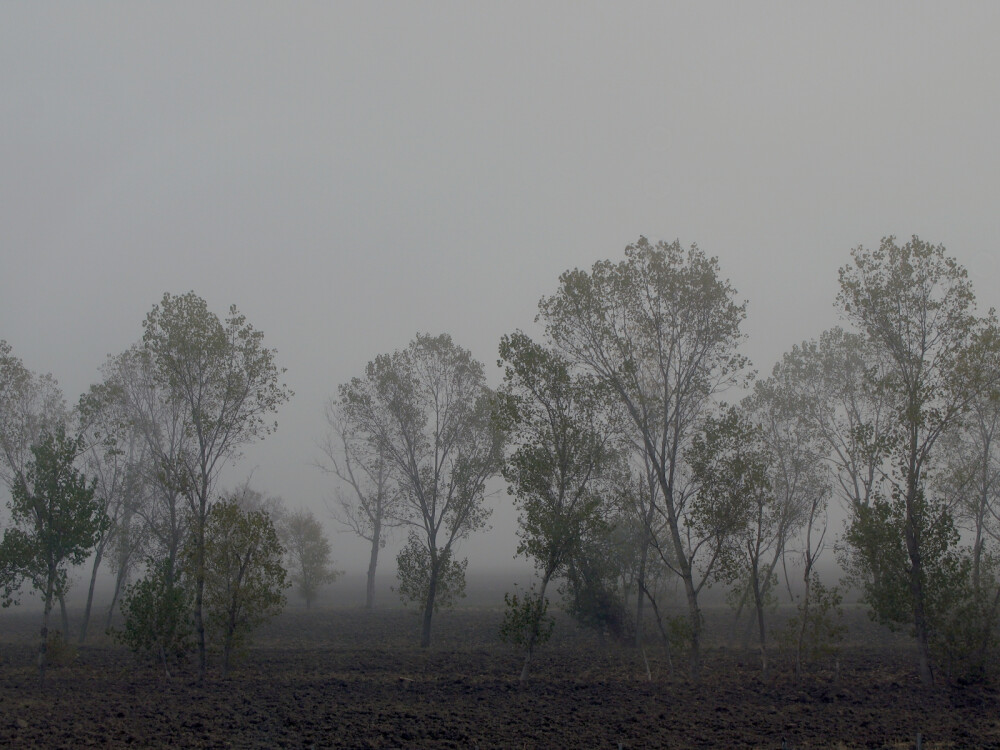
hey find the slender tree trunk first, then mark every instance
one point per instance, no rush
(425, 632)
(662, 629)
(910, 532)
(640, 598)
(98, 556)
(687, 575)
(64, 616)
(119, 581)
(759, 603)
(44, 645)
(533, 635)
(372, 565)
(199, 596)
(804, 620)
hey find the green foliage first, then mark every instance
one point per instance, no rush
(56, 518)
(915, 306)
(734, 505)
(308, 553)
(244, 576)
(557, 422)
(526, 622)
(415, 568)
(158, 611)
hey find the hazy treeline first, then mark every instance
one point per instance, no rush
(646, 459)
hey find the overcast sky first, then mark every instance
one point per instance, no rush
(351, 173)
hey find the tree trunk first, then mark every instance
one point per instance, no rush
(640, 591)
(372, 565)
(804, 623)
(199, 597)
(910, 531)
(64, 616)
(425, 632)
(663, 631)
(44, 646)
(98, 555)
(533, 635)
(759, 603)
(694, 619)
(119, 580)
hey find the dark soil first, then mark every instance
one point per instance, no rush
(339, 678)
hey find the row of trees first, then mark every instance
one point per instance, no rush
(633, 474)
(138, 484)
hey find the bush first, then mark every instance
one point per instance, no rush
(157, 611)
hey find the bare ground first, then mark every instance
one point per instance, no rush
(354, 679)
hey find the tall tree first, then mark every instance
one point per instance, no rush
(427, 409)
(661, 330)
(57, 521)
(914, 304)
(370, 504)
(558, 425)
(227, 387)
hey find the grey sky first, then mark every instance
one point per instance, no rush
(349, 174)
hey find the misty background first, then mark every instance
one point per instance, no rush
(349, 174)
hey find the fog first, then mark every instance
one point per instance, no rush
(349, 174)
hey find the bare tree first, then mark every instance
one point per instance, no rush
(30, 405)
(427, 409)
(369, 502)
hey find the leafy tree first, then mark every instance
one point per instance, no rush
(915, 307)
(372, 503)
(57, 522)
(225, 386)
(427, 409)
(244, 576)
(526, 622)
(562, 448)
(308, 553)
(660, 330)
